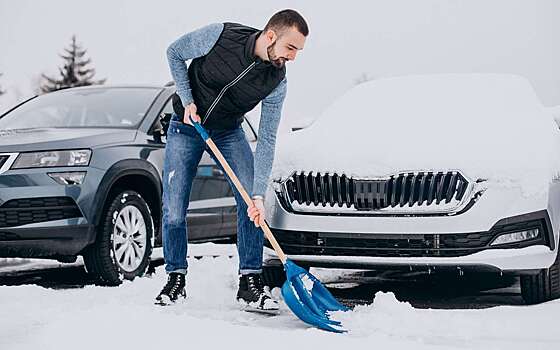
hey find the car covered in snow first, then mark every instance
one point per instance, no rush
(427, 172)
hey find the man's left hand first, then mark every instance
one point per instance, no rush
(256, 212)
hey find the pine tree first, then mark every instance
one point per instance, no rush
(1, 91)
(75, 71)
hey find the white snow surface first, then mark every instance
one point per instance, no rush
(489, 126)
(124, 317)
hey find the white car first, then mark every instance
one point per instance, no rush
(450, 171)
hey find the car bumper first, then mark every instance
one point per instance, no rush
(450, 242)
(46, 240)
(41, 218)
(527, 260)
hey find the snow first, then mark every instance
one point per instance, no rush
(97, 317)
(14, 265)
(486, 125)
(307, 283)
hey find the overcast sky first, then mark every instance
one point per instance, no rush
(126, 41)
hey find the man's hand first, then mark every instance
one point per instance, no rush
(256, 212)
(190, 110)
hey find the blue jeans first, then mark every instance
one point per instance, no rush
(183, 152)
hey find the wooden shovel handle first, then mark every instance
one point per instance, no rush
(246, 197)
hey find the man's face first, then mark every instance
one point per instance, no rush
(284, 45)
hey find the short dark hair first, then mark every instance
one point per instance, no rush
(286, 19)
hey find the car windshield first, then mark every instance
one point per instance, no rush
(95, 107)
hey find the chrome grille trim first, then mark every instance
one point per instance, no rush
(411, 192)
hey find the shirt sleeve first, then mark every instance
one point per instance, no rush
(191, 45)
(271, 110)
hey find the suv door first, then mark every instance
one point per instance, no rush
(209, 197)
(208, 192)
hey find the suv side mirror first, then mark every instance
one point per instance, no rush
(159, 130)
(163, 121)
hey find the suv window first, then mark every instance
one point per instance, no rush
(82, 108)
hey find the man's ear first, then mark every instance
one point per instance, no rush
(271, 35)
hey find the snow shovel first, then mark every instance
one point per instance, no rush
(302, 292)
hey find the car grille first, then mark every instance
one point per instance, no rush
(405, 190)
(23, 211)
(396, 245)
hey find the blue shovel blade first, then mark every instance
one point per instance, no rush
(309, 299)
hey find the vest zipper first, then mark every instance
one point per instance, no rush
(224, 89)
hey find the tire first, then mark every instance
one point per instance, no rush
(275, 276)
(124, 242)
(543, 286)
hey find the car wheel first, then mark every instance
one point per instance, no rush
(124, 240)
(543, 286)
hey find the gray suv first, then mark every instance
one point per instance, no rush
(80, 174)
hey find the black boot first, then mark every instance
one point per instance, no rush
(173, 289)
(253, 296)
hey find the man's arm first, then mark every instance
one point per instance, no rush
(191, 45)
(271, 110)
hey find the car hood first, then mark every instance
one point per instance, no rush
(20, 140)
(489, 126)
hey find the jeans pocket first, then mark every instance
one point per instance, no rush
(183, 128)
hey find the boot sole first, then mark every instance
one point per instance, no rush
(165, 301)
(253, 309)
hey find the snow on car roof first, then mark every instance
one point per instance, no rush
(488, 125)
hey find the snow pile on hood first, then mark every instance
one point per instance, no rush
(488, 125)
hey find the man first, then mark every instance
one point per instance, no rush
(233, 68)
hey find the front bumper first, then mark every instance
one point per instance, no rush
(458, 241)
(527, 260)
(41, 218)
(46, 240)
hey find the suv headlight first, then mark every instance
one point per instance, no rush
(43, 159)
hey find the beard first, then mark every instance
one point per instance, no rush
(276, 61)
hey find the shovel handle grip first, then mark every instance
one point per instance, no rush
(267, 232)
(199, 128)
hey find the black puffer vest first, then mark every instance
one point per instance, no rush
(232, 73)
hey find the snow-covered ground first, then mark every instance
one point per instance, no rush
(95, 317)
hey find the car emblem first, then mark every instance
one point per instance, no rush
(371, 194)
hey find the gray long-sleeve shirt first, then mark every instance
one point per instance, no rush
(198, 43)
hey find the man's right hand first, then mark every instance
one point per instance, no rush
(190, 110)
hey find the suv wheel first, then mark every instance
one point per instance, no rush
(543, 286)
(124, 240)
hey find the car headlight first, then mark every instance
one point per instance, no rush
(513, 237)
(43, 159)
